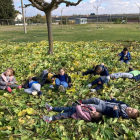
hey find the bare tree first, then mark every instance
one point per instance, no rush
(24, 22)
(139, 12)
(47, 8)
(97, 7)
(61, 17)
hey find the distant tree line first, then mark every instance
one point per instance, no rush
(7, 9)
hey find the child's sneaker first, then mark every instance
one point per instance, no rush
(47, 119)
(93, 90)
(9, 89)
(19, 87)
(128, 63)
(78, 101)
(49, 107)
(40, 93)
(51, 86)
(121, 61)
(61, 88)
(112, 77)
(89, 85)
(34, 93)
(74, 104)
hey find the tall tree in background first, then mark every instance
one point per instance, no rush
(17, 12)
(138, 5)
(97, 7)
(47, 8)
(7, 10)
(38, 19)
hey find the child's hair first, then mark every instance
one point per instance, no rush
(125, 49)
(12, 71)
(98, 67)
(60, 69)
(136, 115)
(97, 119)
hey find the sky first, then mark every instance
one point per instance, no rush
(86, 7)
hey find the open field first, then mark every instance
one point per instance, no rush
(30, 59)
(72, 33)
(76, 48)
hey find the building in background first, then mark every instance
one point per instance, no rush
(81, 20)
(18, 17)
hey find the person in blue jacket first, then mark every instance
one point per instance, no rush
(104, 77)
(125, 56)
(111, 108)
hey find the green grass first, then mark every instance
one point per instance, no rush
(30, 59)
(72, 33)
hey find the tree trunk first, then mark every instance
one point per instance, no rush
(50, 34)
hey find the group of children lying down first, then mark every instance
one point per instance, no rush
(91, 109)
(33, 84)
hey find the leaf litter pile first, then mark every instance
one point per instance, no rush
(21, 114)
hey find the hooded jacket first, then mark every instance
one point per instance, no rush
(80, 114)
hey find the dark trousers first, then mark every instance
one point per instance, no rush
(95, 82)
(125, 60)
(67, 112)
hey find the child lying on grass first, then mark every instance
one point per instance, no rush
(32, 86)
(112, 108)
(84, 112)
(7, 80)
(92, 71)
(135, 74)
(104, 77)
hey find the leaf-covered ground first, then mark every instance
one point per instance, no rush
(30, 59)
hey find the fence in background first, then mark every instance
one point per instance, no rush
(74, 20)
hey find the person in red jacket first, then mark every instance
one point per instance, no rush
(84, 112)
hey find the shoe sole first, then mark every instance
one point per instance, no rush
(61, 88)
(46, 105)
(92, 91)
(77, 102)
(34, 93)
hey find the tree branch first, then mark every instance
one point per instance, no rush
(39, 4)
(26, 5)
(43, 6)
(7, 109)
(68, 3)
(98, 5)
(137, 5)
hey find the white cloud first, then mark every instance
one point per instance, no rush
(86, 7)
(15, 1)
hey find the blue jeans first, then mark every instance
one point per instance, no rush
(125, 61)
(63, 83)
(95, 82)
(68, 111)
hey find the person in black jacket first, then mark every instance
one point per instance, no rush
(62, 80)
(112, 108)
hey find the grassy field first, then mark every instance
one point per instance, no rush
(21, 113)
(72, 33)
(30, 59)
